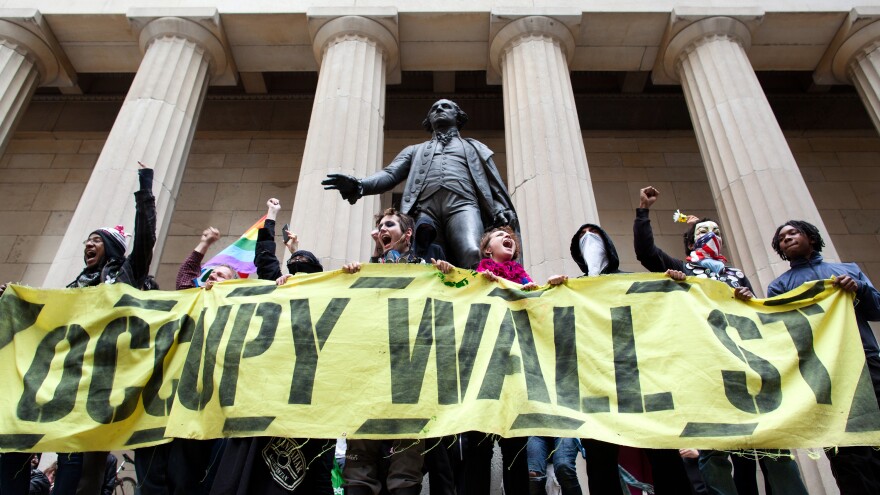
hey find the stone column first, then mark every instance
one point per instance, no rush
(29, 57)
(853, 58)
(155, 126)
(345, 136)
(547, 171)
(754, 178)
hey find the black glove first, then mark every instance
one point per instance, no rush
(505, 217)
(349, 187)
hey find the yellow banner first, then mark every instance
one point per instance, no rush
(402, 351)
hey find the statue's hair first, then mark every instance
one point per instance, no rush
(461, 118)
(803, 227)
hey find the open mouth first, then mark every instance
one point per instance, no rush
(386, 240)
(507, 243)
(91, 255)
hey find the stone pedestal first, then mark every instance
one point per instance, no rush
(754, 178)
(547, 173)
(155, 126)
(345, 136)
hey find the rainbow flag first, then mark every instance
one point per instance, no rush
(239, 255)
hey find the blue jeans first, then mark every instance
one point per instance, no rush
(563, 453)
(782, 474)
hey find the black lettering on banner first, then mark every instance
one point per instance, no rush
(64, 397)
(478, 314)
(144, 436)
(661, 286)
(769, 396)
(626, 368)
(392, 426)
(564, 338)
(104, 370)
(814, 372)
(19, 441)
(813, 291)
(202, 354)
(408, 367)
(538, 420)
(537, 388)
(153, 404)
(270, 314)
(18, 315)
(130, 301)
(444, 338)
(305, 345)
(247, 424)
(501, 363)
(864, 414)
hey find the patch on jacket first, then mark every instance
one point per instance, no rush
(286, 462)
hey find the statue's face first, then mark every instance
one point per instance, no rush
(443, 114)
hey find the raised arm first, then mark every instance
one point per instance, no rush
(648, 254)
(268, 267)
(192, 265)
(144, 227)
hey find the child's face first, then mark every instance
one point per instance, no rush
(390, 233)
(501, 246)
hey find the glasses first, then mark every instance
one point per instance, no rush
(93, 240)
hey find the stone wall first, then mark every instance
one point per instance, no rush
(230, 175)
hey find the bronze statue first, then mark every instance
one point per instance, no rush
(452, 187)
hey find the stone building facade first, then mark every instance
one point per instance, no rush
(753, 115)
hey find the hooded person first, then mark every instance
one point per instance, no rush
(594, 252)
(106, 263)
(268, 266)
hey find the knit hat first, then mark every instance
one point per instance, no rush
(114, 241)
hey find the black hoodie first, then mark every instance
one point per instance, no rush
(610, 251)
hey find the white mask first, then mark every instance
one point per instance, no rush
(593, 251)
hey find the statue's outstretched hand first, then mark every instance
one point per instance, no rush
(505, 217)
(349, 187)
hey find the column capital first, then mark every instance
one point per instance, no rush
(689, 26)
(506, 28)
(31, 36)
(858, 35)
(201, 26)
(378, 24)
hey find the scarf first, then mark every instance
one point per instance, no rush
(508, 270)
(707, 253)
(593, 251)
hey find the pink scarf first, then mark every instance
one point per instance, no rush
(508, 270)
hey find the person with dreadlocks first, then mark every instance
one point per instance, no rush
(703, 244)
(856, 469)
(106, 263)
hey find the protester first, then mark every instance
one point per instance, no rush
(106, 263)
(595, 254)
(392, 465)
(276, 465)
(562, 452)
(703, 244)
(191, 268)
(856, 469)
(182, 466)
